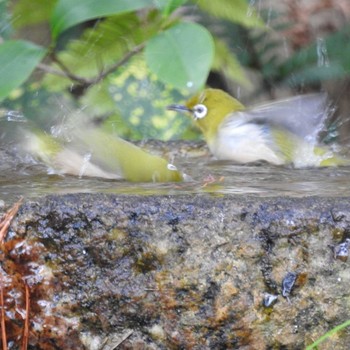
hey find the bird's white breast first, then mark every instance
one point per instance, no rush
(245, 143)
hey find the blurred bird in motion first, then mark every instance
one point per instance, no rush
(281, 132)
(94, 153)
(78, 147)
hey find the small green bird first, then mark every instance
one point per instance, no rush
(282, 132)
(95, 153)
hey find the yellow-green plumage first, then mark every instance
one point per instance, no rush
(94, 153)
(132, 162)
(220, 105)
(281, 132)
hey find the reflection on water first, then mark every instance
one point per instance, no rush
(32, 181)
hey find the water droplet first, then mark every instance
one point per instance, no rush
(341, 251)
(189, 84)
(269, 299)
(172, 167)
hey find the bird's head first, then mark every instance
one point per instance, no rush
(208, 109)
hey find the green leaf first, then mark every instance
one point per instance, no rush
(98, 99)
(181, 56)
(68, 13)
(32, 12)
(17, 61)
(237, 11)
(141, 108)
(227, 62)
(169, 6)
(102, 46)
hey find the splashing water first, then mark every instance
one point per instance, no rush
(286, 49)
(86, 162)
(238, 92)
(12, 116)
(322, 55)
(251, 8)
(269, 15)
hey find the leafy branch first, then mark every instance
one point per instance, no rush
(172, 46)
(85, 82)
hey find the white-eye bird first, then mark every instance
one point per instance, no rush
(95, 153)
(281, 132)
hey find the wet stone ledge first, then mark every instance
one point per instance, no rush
(183, 272)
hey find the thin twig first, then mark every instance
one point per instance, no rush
(5, 222)
(122, 61)
(65, 71)
(112, 344)
(48, 69)
(26, 321)
(7, 218)
(69, 74)
(126, 336)
(3, 325)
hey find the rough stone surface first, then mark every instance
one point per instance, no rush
(183, 272)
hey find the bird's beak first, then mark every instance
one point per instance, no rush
(179, 108)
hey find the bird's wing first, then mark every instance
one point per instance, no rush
(62, 159)
(304, 116)
(134, 163)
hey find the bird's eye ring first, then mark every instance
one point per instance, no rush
(199, 111)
